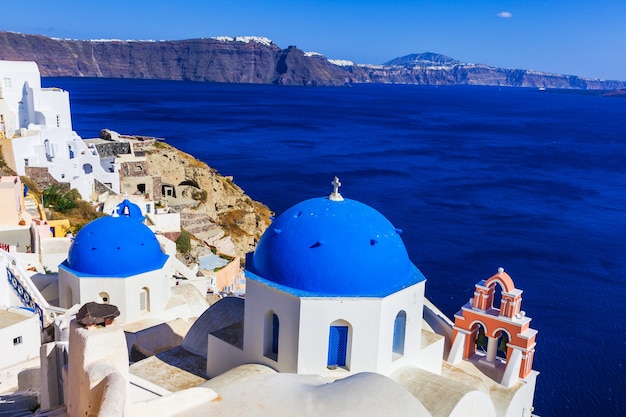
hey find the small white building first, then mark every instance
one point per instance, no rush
(20, 339)
(115, 260)
(119, 260)
(19, 336)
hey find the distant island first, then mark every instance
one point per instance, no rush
(258, 60)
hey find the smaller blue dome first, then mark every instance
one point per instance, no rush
(129, 209)
(114, 247)
(324, 247)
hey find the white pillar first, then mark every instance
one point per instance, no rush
(513, 365)
(492, 349)
(458, 346)
(95, 353)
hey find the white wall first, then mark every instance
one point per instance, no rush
(13, 76)
(260, 301)
(52, 107)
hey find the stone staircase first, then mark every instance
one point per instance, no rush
(199, 224)
(31, 207)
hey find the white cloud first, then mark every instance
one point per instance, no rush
(505, 15)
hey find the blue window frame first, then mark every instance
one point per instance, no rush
(275, 326)
(337, 346)
(399, 331)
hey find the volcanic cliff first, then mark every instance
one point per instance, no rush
(260, 61)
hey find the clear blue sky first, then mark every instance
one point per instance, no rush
(586, 38)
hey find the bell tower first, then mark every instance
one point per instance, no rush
(490, 326)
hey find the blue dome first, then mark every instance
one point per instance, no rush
(114, 247)
(334, 248)
(129, 209)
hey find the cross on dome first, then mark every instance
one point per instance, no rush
(335, 196)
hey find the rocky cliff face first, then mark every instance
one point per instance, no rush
(250, 60)
(210, 204)
(213, 60)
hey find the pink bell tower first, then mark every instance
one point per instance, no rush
(505, 327)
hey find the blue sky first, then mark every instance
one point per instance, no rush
(586, 38)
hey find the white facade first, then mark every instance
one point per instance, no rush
(303, 333)
(139, 296)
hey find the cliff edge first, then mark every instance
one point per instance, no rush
(257, 60)
(212, 207)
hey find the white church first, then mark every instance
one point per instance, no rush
(334, 322)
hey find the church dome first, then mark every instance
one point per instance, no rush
(334, 247)
(114, 246)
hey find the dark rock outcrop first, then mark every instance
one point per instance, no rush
(243, 60)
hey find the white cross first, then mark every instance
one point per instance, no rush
(336, 184)
(335, 196)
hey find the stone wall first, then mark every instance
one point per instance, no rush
(43, 178)
(173, 236)
(113, 149)
(101, 188)
(133, 169)
(157, 190)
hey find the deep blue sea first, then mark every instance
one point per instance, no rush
(476, 177)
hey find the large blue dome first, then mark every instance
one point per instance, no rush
(114, 247)
(334, 248)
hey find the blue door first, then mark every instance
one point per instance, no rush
(337, 346)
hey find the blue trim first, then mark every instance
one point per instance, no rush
(25, 297)
(381, 293)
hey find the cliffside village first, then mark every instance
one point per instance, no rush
(329, 316)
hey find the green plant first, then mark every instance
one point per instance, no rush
(183, 243)
(199, 195)
(62, 202)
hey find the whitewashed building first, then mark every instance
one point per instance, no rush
(36, 131)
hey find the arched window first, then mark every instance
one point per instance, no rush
(338, 342)
(103, 298)
(87, 168)
(49, 148)
(144, 300)
(503, 340)
(399, 333)
(271, 332)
